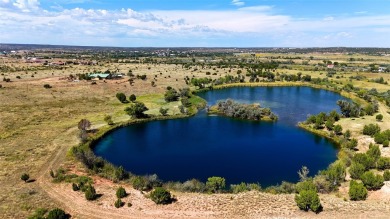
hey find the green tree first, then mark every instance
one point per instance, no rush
(336, 173)
(352, 144)
(171, 95)
(215, 184)
(121, 97)
(308, 200)
(367, 161)
(139, 183)
(75, 187)
(118, 203)
(386, 175)
(185, 102)
(136, 110)
(57, 214)
(338, 129)
(185, 92)
(108, 120)
(385, 143)
(383, 163)
(132, 98)
(374, 152)
(329, 124)
(25, 177)
(333, 114)
(347, 134)
(163, 111)
(379, 117)
(161, 196)
(305, 185)
(121, 192)
(372, 181)
(357, 191)
(369, 109)
(120, 173)
(356, 170)
(242, 187)
(90, 193)
(371, 129)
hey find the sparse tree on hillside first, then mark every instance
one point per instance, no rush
(132, 98)
(121, 97)
(379, 117)
(215, 184)
(25, 177)
(84, 124)
(163, 111)
(136, 110)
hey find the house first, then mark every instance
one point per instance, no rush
(330, 66)
(100, 76)
(382, 69)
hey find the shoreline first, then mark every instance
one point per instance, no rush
(193, 111)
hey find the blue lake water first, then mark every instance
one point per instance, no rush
(204, 146)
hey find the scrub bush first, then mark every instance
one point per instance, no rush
(357, 191)
(161, 196)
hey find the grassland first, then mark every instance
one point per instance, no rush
(38, 126)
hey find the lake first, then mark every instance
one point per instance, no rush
(241, 151)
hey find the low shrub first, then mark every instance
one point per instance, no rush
(90, 193)
(371, 129)
(121, 97)
(356, 170)
(372, 181)
(161, 196)
(118, 203)
(305, 185)
(357, 191)
(383, 163)
(57, 214)
(215, 184)
(308, 200)
(47, 86)
(75, 187)
(386, 175)
(365, 160)
(121, 192)
(25, 177)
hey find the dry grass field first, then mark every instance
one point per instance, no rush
(38, 126)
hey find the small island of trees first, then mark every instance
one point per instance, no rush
(233, 109)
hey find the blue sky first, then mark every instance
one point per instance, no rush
(218, 23)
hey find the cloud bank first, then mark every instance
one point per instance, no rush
(23, 21)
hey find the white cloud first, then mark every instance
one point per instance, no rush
(329, 18)
(259, 8)
(22, 5)
(26, 5)
(238, 3)
(246, 26)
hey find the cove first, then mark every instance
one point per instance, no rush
(241, 151)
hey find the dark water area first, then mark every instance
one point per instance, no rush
(241, 151)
